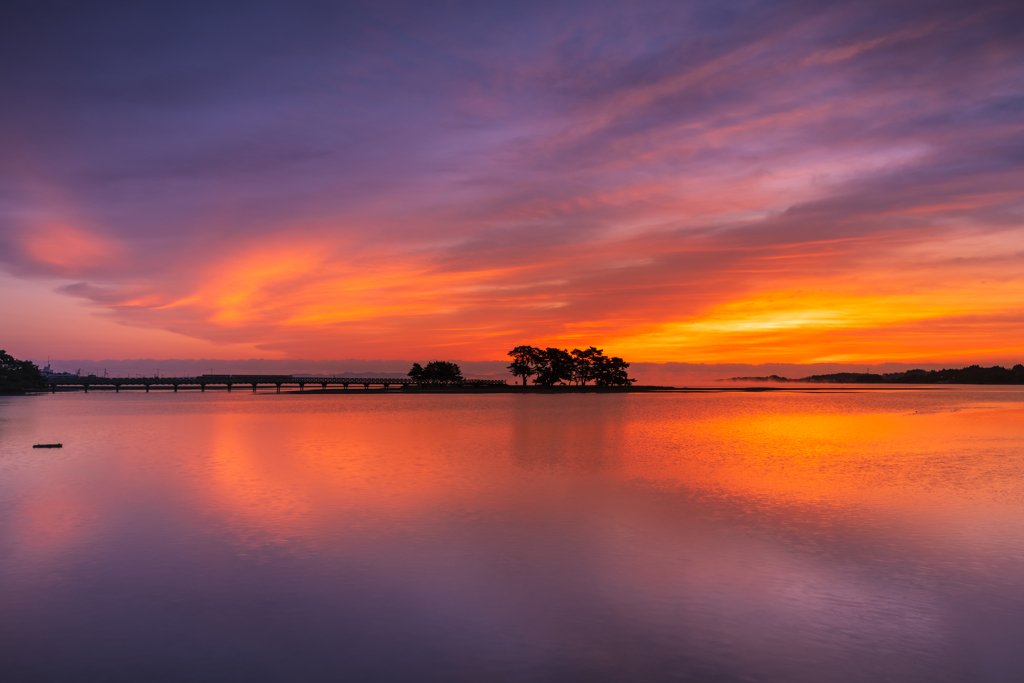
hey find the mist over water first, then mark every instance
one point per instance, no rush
(863, 536)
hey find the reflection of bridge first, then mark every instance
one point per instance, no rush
(255, 381)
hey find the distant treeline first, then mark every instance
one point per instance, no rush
(19, 376)
(552, 366)
(974, 374)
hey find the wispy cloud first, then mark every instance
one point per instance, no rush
(679, 181)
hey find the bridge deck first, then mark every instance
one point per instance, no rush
(255, 381)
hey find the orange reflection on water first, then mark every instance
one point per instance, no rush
(48, 527)
(292, 473)
(785, 528)
(312, 471)
(843, 458)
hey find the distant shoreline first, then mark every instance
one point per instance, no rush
(974, 374)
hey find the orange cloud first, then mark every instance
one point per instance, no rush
(822, 327)
(68, 249)
(807, 189)
(832, 300)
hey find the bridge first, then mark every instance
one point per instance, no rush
(256, 381)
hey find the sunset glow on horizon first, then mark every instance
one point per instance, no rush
(689, 182)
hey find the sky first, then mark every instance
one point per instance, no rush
(699, 182)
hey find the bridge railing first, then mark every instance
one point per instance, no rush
(256, 380)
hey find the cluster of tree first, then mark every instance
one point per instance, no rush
(557, 366)
(975, 374)
(19, 376)
(436, 371)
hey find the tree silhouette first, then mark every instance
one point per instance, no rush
(611, 372)
(586, 365)
(556, 366)
(525, 361)
(18, 376)
(436, 371)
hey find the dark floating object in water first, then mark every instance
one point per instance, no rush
(48, 445)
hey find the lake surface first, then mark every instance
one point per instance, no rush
(867, 536)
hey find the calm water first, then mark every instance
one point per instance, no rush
(709, 537)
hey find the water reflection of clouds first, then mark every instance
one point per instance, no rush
(577, 433)
(832, 456)
(780, 537)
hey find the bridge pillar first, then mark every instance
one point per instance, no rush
(344, 385)
(387, 385)
(278, 387)
(87, 388)
(229, 386)
(147, 387)
(323, 385)
(254, 387)
(202, 387)
(302, 386)
(175, 387)
(117, 388)
(366, 385)
(53, 388)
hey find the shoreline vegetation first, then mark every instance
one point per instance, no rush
(552, 366)
(19, 376)
(973, 374)
(552, 370)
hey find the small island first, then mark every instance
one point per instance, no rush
(552, 366)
